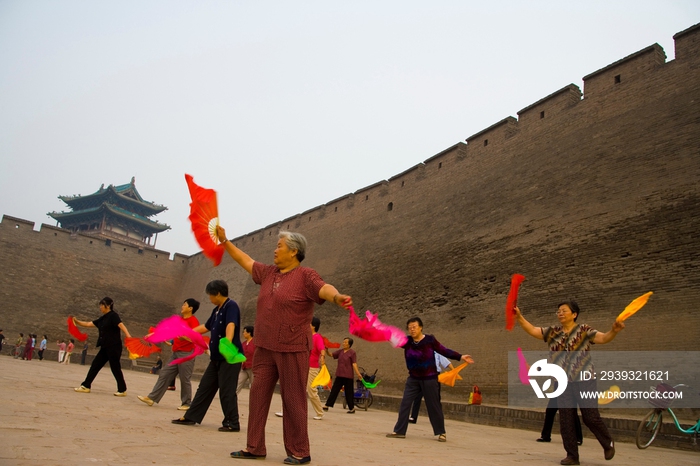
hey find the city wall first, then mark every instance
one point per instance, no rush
(592, 195)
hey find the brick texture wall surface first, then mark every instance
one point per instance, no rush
(592, 198)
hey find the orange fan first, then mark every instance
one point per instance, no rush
(204, 216)
(73, 330)
(634, 306)
(139, 348)
(512, 300)
(450, 377)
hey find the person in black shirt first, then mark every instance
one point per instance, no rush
(110, 343)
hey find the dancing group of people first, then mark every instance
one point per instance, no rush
(287, 349)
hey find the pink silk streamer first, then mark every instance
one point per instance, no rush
(176, 327)
(523, 368)
(371, 329)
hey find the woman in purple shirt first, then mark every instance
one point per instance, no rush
(423, 378)
(347, 364)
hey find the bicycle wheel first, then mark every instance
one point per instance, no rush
(370, 399)
(648, 428)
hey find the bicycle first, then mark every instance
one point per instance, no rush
(651, 424)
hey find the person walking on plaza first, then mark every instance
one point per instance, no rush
(181, 348)
(563, 339)
(283, 340)
(109, 325)
(2, 340)
(28, 348)
(61, 350)
(317, 358)
(69, 351)
(42, 348)
(83, 353)
(224, 322)
(248, 351)
(347, 364)
(18, 346)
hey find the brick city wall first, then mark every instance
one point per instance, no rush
(591, 195)
(49, 274)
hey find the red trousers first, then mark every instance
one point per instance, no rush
(292, 370)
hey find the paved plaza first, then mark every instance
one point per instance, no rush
(45, 423)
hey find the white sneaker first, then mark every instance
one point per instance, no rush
(184, 407)
(145, 399)
(318, 418)
(119, 393)
(82, 389)
(278, 414)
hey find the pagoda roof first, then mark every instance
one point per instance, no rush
(80, 215)
(125, 194)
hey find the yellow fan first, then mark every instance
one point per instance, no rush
(609, 396)
(323, 378)
(634, 306)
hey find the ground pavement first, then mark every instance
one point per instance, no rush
(45, 423)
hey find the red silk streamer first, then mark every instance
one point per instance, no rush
(329, 344)
(139, 348)
(371, 329)
(73, 330)
(512, 300)
(204, 216)
(176, 327)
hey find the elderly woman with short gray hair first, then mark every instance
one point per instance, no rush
(283, 338)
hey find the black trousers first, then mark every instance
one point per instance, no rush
(339, 383)
(430, 390)
(589, 413)
(415, 409)
(112, 355)
(549, 414)
(222, 377)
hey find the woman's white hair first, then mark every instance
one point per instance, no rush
(295, 241)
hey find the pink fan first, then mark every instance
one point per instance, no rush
(523, 368)
(175, 327)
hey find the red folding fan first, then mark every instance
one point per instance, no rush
(512, 300)
(329, 344)
(204, 216)
(139, 348)
(73, 330)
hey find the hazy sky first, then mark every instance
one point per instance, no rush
(278, 105)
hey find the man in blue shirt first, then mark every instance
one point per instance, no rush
(224, 322)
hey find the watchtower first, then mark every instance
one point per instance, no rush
(114, 212)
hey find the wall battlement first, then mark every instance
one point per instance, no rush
(623, 73)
